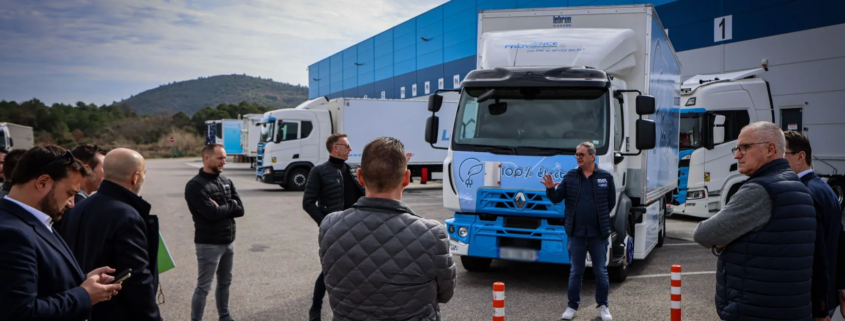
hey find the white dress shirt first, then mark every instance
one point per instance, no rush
(40, 216)
(801, 174)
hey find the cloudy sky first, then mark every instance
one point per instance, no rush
(103, 51)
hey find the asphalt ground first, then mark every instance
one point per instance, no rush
(277, 263)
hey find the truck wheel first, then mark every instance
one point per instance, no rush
(618, 274)
(838, 186)
(296, 180)
(475, 264)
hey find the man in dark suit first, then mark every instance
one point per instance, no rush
(39, 277)
(114, 227)
(92, 158)
(824, 297)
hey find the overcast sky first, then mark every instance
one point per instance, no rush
(104, 51)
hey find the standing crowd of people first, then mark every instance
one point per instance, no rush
(779, 239)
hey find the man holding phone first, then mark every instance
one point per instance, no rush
(114, 227)
(39, 276)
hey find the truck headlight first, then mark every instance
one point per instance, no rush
(696, 194)
(268, 170)
(462, 232)
(686, 157)
(451, 229)
(690, 102)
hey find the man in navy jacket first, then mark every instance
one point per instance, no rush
(39, 276)
(829, 225)
(590, 194)
(114, 227)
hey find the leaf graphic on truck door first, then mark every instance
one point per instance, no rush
(469, 168)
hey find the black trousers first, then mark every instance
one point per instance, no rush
(317, 300)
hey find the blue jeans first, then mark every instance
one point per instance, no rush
(577, 248)
(213, 259)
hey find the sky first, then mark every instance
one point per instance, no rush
(104, 51)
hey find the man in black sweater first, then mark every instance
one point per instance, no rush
(214, 204)
(330, 188)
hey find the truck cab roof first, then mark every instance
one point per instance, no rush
(537, 77)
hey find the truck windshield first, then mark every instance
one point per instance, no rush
(267, 130)
(690, 131)
(532, 121)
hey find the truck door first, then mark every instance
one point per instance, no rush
(791, 119)
(288, 148)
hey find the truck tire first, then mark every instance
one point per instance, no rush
(618, 274)
(296, 179)
(838, 186)
(475, 264)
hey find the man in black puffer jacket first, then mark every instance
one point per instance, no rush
(330, 188)
(214, 204)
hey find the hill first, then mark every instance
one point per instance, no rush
(192, 95)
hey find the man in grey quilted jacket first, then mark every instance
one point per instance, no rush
(380, 260)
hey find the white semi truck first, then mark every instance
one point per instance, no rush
(293, 140)
(547, 80)
(715, 108)
(14, 136)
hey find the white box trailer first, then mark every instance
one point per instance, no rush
(14, 136)
(250, 134)
(294, 139)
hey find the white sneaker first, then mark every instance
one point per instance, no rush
(605, 313)
(569, 314)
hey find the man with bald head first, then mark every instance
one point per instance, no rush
(764, 236)
(114, 227)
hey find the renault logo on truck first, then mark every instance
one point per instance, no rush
(519, 200)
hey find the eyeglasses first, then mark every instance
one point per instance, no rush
(64, 159)
(580, 155)
(347, 145)
(744, 148)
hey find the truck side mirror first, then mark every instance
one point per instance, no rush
(645, 105)
(434, 103)
(646, 134)
(718, 129)
(431, 129)
(11, 142)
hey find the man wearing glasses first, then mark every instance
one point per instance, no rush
(589, 194)
(329, 188)
(764, 236)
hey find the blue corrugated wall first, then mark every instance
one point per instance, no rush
(441, 42)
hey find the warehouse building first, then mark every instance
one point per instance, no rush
(802, 40)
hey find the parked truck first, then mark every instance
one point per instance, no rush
(293, 140)
(716, 107)
(250, 134)
(225, 132)
(547, 80)
(14, 136)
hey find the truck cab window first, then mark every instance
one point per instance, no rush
(288, 131)
(307, 126)
(690, 130)
(219, 130)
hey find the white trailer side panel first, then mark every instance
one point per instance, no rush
(365, 120)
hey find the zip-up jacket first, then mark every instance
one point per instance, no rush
(568, 191)
(324, 190)
(214, 224)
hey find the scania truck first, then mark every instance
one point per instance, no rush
(715, 108)
(545, 81)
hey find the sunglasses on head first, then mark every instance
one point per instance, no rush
(64, 159)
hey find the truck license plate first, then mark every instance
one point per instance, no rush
(518, 254)
(458, 248)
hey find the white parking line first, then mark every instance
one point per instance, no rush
(680, 244)
(194, 165)
(666, 275)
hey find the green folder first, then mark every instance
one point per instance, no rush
(165, 261)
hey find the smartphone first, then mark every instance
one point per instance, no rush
(122, 276)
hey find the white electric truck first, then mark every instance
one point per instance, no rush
(293, 140)
(547, 80)
(715, 108)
